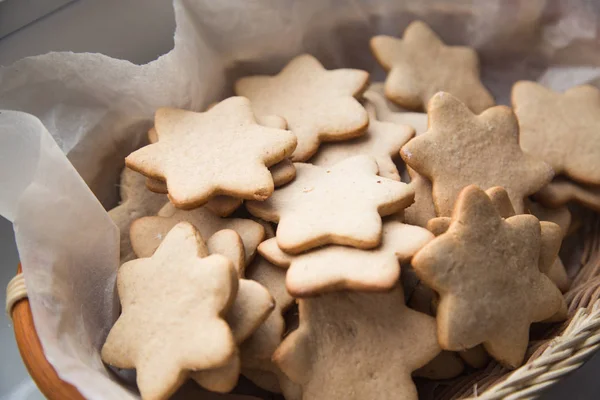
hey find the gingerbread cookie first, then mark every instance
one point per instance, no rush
(551, 234)
(157, 333)
(461, 148)
(251, 307)
(283, 172)
(561, 128)
(367, 344)
(561, 192)
(561, 216)
(388, 112)
(147, 232)
(382, 140)
(482, 253)
(222, 151)
(342, 204)
(136, 202)
(257, 350)
(420, 65)
(333, 268)
(318, 105)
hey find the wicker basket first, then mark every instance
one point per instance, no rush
(562, 349)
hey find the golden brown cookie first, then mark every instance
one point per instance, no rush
(223, 206)
(333, 268)
(342, 204)
(223, 151)
(164, 299)
(382, 140)
(561, 128)
(461, 148)
(251, 307)
(473, 267)
(365, 344)
(318, 105)
(551, 235)
(136, 202)
(147, 232)
(476, 357)
(283, 172)
(560, 192)
(389, 112)
(420, 65)
(561, 216)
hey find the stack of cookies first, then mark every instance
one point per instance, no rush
(415, 225)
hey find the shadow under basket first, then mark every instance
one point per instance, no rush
(557, 351)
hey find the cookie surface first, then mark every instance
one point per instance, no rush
(317, 104)
(482, 253)
(420, 65)
(333, 268)
(223, 151)
(382, 140)
(461, 148)
(561, 128)
(157, 333)
(342, 204)
(147, 232)
(357, 346)
(136, 202)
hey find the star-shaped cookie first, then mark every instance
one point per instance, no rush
(423, 209)
(550, 237)
(222, 151)
(382, 140)
(384, 111)
(136, 202)
(461, 148)
(420, 65)
(147, 232)
(282, 172)
(561, 128)
(333, 268)
(172, 309)
(251, 307)
(257, 350)
(561, 216)
(473, 268)
(358, 346)
(318, 105)
(562, 191)
(342, 204)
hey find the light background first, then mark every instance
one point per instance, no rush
(139, 31)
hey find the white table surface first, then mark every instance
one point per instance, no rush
(139, 31)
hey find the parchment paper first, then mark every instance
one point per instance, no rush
(80, 114)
